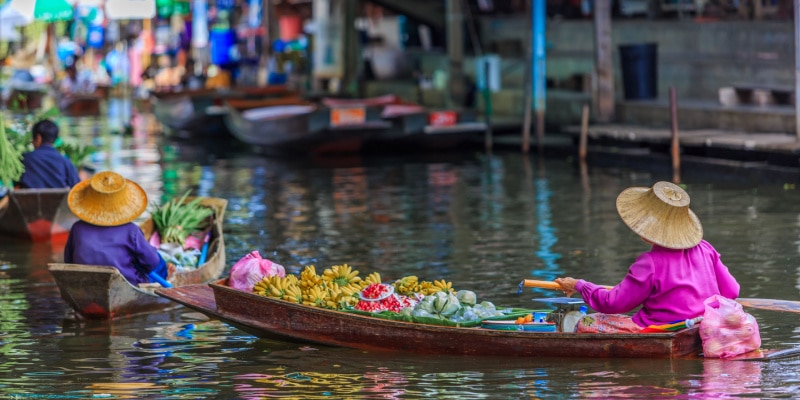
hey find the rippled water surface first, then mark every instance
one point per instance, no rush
(483, 222)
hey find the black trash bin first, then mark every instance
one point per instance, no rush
(639, 70)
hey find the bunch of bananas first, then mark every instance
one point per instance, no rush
(411, 284)
(341, 275)
(338, 287)
(285, 288)
(370, 279)
(309, 278)
(407, 285)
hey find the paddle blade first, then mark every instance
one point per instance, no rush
(771, 304)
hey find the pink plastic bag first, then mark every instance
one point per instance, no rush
(251, 269)
(726, 329)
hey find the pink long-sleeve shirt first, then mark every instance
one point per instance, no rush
(670, 285)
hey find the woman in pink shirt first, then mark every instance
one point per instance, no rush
(669, 282)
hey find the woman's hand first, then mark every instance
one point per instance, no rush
(567, 285)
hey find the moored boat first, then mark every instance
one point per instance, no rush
(101, 292)
(185, 110)
(305, 128)
(283, 320)
(80, 105)
(25, 97)
(199, 113)
(421, 129)
(36, 214)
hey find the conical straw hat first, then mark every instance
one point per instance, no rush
(661, 215)
(107, 199)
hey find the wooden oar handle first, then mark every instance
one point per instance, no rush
(540, 284)
(545, 284)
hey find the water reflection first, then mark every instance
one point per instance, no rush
(480, 221)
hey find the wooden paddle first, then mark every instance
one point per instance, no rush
(763, 304)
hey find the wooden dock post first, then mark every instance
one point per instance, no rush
(584, 133)
(676, 149)
(487, 99)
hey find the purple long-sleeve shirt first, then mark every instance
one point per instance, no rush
(121, 246)
(45, 167)
(670, 285)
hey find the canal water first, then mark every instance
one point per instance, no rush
(483, 222)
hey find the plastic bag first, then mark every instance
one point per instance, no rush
(251, 269)
(726, 329)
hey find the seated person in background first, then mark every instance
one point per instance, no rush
(106, 205)
(670, 281)
(74, 83)
(46, 167)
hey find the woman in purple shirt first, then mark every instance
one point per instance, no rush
(106, 204)
(669, 282)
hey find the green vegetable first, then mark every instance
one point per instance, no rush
(11, 167)
(76, 153)
(177, 219)
(426, 304)
(445, 303)
(467, 297)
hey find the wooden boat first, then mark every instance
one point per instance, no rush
(102, 292)
(384, 100)
(199, 113)
(26, 97)
(420, 129)
(185, 110)
(36, 214)
(80, 105)
(305, 128)
(283, 320)
(249, 104)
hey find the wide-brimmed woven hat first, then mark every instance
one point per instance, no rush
(661, 215)
(107, 199)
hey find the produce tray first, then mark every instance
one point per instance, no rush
(511, 325)
(508, 313)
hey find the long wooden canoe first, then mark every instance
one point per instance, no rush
(199, 113)
(305, 128)
(102, 292)
(282, 320)
(36, 214)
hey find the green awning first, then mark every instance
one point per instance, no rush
(52, 10)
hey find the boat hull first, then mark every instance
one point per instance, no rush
(199, 113)
(36, 215)
(102, 292)
(417, 129)
(302, 129)
(80, 105)
(282, 320)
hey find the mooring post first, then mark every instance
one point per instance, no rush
(584, 133)
(676, 154)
